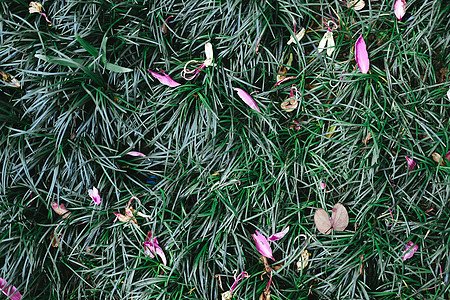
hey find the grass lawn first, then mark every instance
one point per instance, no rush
(121, 183)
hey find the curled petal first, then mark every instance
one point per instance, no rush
(10, 291)
(151, 247)
(135, 153)
(278, 235)
(164, 79)
(289, 105)
(410, 250)
(209, 55)
(95, 195)
(411, 163)
(247, 99)
(399, 9)
(262, 245)
(361, 55)
(60, 210)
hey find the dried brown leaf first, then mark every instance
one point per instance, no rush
(322, 220)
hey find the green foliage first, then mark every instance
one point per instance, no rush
(86, 99)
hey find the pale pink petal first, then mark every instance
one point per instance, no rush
(399, 9)
(247, 99)
(410, 250)
(151, 247)
(323, 186)
(164, 79)
(361, 55)
(10, 291)
(262, 245)
(95, 195)
(60, 210)
(447, 156)
(135, 153)
(278, 235)
(411, 163)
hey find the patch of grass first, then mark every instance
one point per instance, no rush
(215, 171)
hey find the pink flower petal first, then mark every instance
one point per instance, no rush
(60, 210)
(247, 99)
(399, 9)
(10, 291)
(262, 245)
(95, 195)
(135, 153)
(164, 79)
(151, 247)
(410, 250)
(278, 235)
(411, 163)
(323, 186)
(447, 156)
(361, 55)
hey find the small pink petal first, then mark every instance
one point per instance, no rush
(410, 250)
(323, 186)
(151, 247)
(135, 153)
(262, 245)
(95, 195)
(411, 163)
(60, 210)
(10, 291)
(399, 9)
(447, 156)
(247, 99)
(361, 55)
(164, 79)
(278, 235)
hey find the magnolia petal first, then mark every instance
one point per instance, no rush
(164, 79)
(339, 217)
(160, 253)
(411, 163)
(95, 195)
(278, 235)
(10, 291)
(331, 44)
(299, 36)
(262, 245)
(323, 186)
(410, 250)
(60, 210)
(323, 43)
(327, 41)
(247, 99)
(209, 55)
(135, 153)
(151, 247)
(322, 220)
(361, 55)
(399, 9)
(356, 4)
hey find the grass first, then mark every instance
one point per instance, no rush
(79, 111)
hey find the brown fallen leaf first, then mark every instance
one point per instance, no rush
(366, 140)
(437, 158)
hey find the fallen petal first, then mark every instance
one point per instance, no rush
(339, 217)
(278, 235)
(35, 7)
(289, 105)
(262, 245)
(399, 9)
(410, 250)
(447, 156)
(95, 195)
(411, 163)
(247, 99)
(361, 55)
(164, 79)
(135, 153)
(10, 291)
(322, 221)
(299, 36)
(323, 186)
(209, 55)
(60, 210)
(151, 247)
(356, 4)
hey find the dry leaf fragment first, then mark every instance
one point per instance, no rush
(338, 221)
(265, 295)
(437, 158)
(9, 79)
(366, 140)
